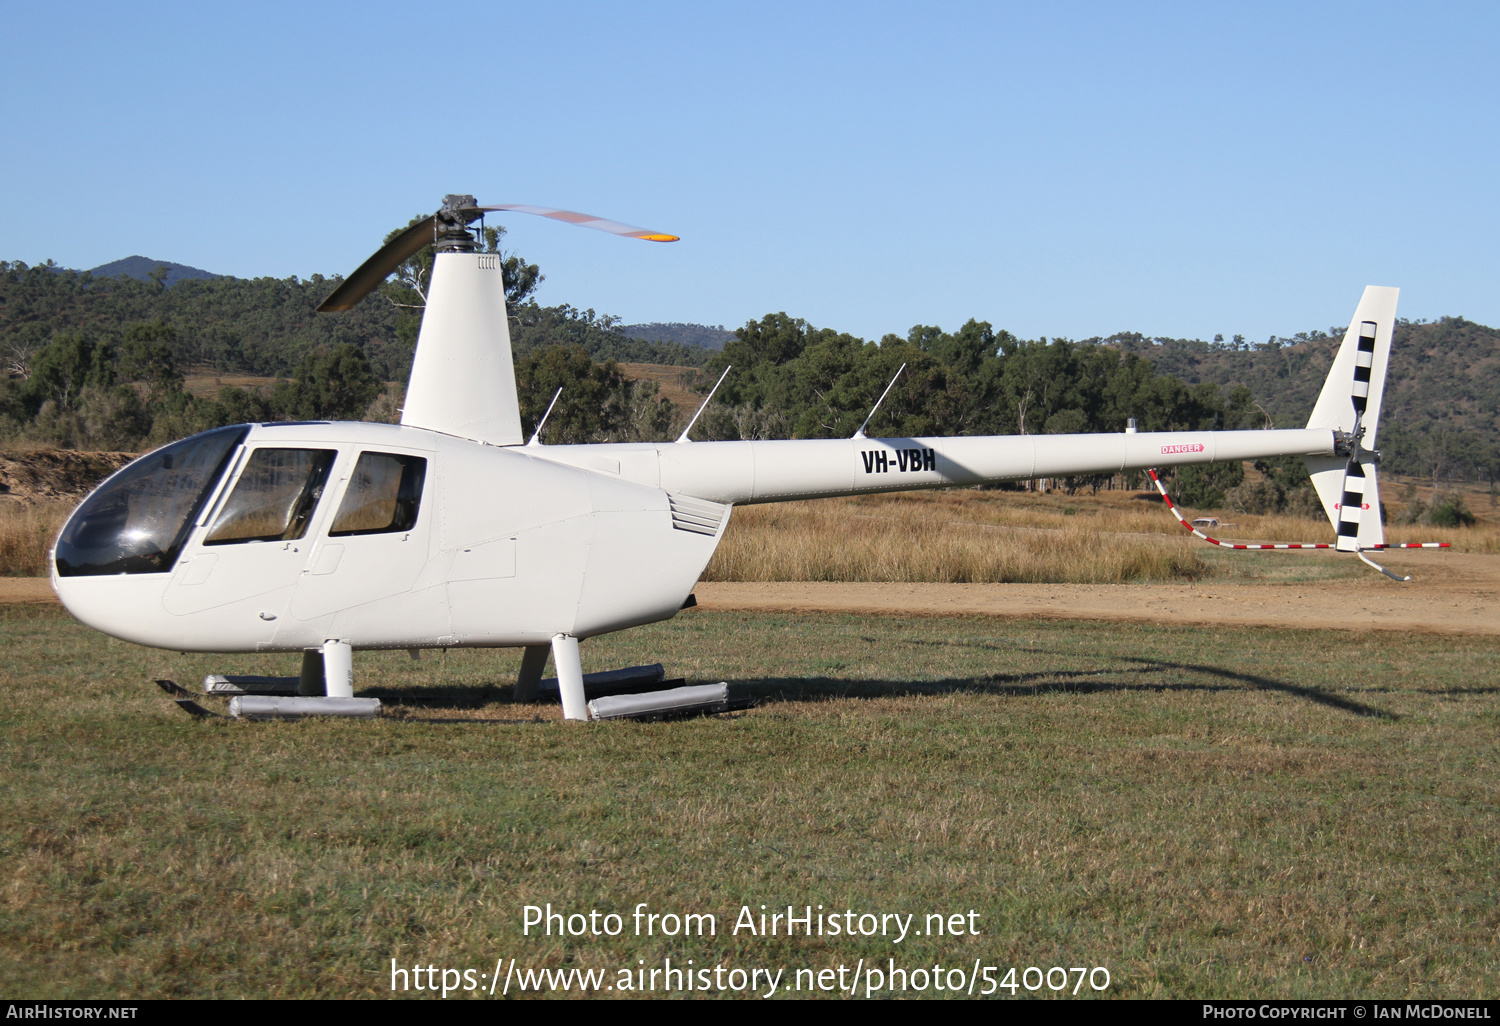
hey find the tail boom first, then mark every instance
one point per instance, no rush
(779, 471)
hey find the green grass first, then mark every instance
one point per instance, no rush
(1205, 812)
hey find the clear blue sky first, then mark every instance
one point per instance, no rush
(1056, 169)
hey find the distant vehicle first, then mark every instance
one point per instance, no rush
(1209, 522)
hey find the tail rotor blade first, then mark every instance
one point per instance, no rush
(374, 270)
(1351, 507)
(1359, 525)
(586, 221)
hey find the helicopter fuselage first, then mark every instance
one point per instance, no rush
(281, 537)
(303, 535)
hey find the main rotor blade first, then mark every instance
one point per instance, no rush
(586, 221)
(374, 270)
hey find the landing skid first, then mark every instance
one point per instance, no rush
(270, 707)
(676, 703)
(635, 693)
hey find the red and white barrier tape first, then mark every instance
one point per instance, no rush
(1284, 545)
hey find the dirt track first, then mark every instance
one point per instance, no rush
(1450, 593)
(18, 590)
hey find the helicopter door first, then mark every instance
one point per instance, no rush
(375, 547)
(256, 547)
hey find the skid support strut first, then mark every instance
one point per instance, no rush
(338, 668)
(310, 681)
(569, 677)
(533, 662)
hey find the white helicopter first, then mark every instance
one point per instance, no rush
(453, 530)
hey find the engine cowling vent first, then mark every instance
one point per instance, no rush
(696, 515)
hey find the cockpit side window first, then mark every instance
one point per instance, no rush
(274, 498)
(383, 494)
(137, 521)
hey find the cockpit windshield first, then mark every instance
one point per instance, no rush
(138, 520)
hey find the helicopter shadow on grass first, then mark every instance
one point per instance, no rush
(1143, 675)
(408, 702)
(1138, 674)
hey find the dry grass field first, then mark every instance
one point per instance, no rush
(26, 535)
(968, 536)
(205, 383)
(950, 537)
(676, 383)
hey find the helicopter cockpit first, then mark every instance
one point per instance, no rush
(139, 521)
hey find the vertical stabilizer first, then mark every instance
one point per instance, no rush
(463, 381)
(1351, 399)
(1356, 381)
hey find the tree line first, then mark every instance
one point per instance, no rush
(266, 327)
(102, 384)
(1442, 389)
(790, 379)
(99, 363)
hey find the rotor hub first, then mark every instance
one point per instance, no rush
(451, 225)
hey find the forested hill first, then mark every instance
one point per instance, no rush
(144, 267)
(265, 326)
(685, 334)
(1442, 393)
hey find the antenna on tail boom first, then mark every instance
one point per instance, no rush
(861, 432)
(684, 436)
(543, 422)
